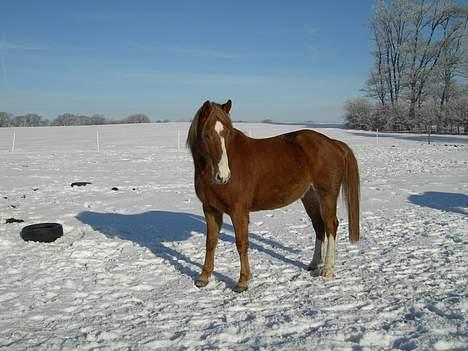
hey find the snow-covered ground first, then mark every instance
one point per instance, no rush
(122, 275)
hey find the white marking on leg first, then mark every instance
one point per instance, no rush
(323, 250)
(223, 164)
(317, 258)
(330, 259)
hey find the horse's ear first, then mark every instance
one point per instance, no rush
(206, 108)
(227, 106)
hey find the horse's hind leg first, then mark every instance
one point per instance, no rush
(328, 202)
(312, 206)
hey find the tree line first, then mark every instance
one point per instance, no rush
(418, 81)
(67, 119)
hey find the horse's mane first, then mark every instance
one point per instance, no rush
(192, 136)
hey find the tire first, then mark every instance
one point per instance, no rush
(80, 184)
(42, 232)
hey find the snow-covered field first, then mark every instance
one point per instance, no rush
(122, 275)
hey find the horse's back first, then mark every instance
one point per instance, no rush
(325, 156)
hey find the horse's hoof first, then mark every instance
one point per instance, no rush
(201, 283)
(327, 274)
(239, 289)
(312, 268)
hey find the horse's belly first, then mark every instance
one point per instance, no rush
(279, 195)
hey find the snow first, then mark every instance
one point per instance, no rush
(122, 275)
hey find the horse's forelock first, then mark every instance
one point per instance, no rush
(193, 130)
(192, 136)
(223, 116)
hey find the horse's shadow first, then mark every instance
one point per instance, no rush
(448, 202)
(155, 229)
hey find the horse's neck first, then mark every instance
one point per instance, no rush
(238, 138)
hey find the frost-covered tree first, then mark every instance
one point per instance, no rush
(358, 113)
(420, 55)
(28, 120)
(138, 118)
(97, 119)
(389, 33)
(5, 119)
(433, 28)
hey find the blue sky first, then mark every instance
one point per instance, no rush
(282, 60)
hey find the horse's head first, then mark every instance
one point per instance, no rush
(211, 132)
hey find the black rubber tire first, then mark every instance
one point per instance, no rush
(80, 184)
(42, 232)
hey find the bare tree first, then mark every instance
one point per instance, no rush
(97, 119)
(390, 33)
(138, 118)
(434, 27)
(419, 55)
(5, 119)
(452, 52)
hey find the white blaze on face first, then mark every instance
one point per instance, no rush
(223, 164)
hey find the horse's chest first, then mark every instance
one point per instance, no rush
(208, 194)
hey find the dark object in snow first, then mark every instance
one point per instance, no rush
(13, 220)
(80, 184)
(13, 206)
(42, 232)
(35, 189)
(115, 188)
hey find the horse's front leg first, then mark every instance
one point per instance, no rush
(214, 222)
(240, 220)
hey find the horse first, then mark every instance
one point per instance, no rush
(236, 174)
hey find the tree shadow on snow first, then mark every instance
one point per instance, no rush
(449, 202)
(157, 229)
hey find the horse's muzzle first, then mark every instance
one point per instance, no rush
(217, 179)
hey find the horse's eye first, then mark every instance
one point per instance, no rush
(206, 136)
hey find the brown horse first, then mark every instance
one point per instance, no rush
(236, 174)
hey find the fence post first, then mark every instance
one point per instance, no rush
(178, 139)
(97, 142)
(13, 142)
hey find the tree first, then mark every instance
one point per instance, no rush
(390, 32)
(28, 120)
(434, 26)
(452, 56)
(65, 119)
(97, 119)
(419, 56)
(358, 113)
(458, 109)
(5, 119)
(138, 118)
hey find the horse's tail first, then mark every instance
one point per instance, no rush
(351, 191)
